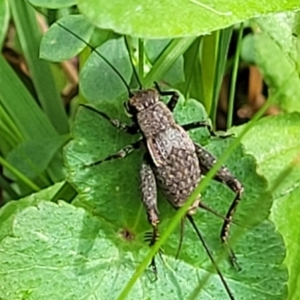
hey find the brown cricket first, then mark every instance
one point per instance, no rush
(173, 161)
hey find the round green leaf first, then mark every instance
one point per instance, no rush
(107, 72)
(63, 252)
(276, 149)
(110, 190)
(169, 18)
(66, 39)
(53, 4)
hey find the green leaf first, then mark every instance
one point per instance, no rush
(276, 149)
(276, 43)
(24, 112)
(4, 20)
(175, 74)
(31, 162)
(12, 208)
(106, 73)
(106, 79)
(82, 253)
(167, 59)
(59, 44)
(16, 100)
(53, 4)
(284, 213)
(110, 190)
(169, 18)
(29, 35)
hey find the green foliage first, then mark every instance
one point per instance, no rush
(92, 247)
(4, 18)
(278, 159)
(169, 18)
(281, 34)
(98, 184)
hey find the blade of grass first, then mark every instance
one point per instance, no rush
(8, 123)
(208, 68)
(141, 58)
(223, 45)
(241, 230)
(21, 107)
(182, 211)
(29, 35)
(4, 184)
(19, 175)
(176, 48)
(66, 193)
(234, 76)
(4, 20)
(24, 112)
(8, 137)
(193, 85)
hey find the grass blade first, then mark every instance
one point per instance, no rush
(30, 37)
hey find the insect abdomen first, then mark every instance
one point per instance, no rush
(179, 176)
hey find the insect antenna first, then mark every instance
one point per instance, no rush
(180, 238)
(191, 220)
(132, 64)
(102, 56)
(207, 208)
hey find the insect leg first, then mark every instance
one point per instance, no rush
(121, 154)
(131, 129)
(181, 238)
(199, 124)
(174, 96)
(207, 161)
(230, 295)
(149, 192)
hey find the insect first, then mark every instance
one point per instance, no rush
(173, 161)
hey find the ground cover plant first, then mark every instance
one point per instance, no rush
(69, 230)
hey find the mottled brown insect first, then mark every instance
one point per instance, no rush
(173, 161)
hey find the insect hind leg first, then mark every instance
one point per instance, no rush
(223, 175)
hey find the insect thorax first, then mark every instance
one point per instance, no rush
(155, 119)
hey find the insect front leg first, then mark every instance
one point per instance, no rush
(207, 161)
(121, 154)
(198, 124)
(149, 192)
(174, 96)
(131, 129)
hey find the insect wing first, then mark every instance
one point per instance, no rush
(160, 146)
